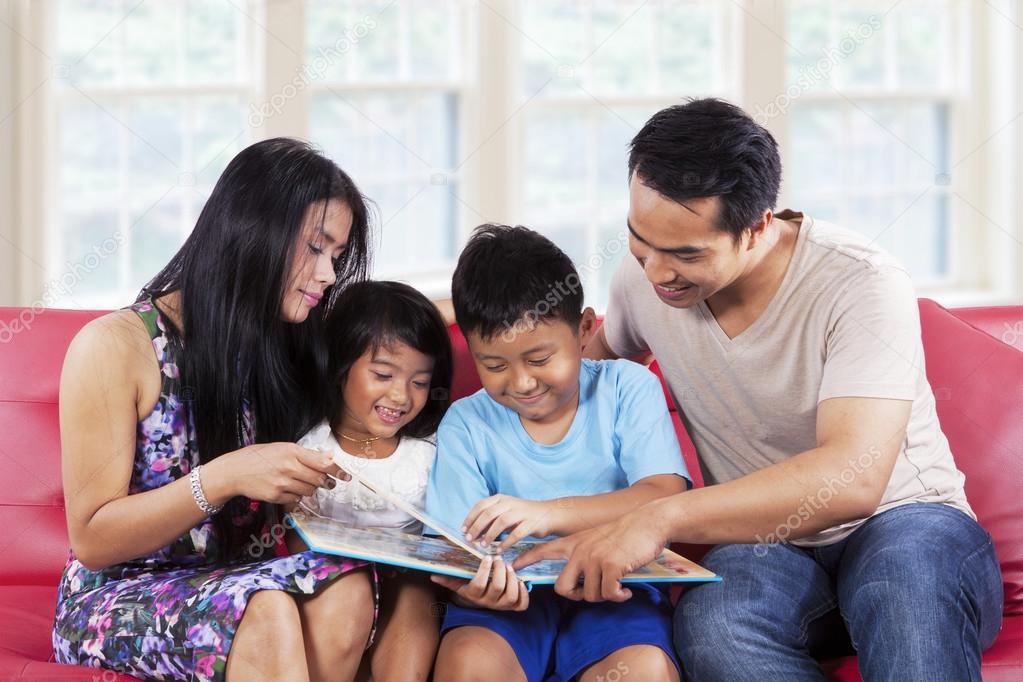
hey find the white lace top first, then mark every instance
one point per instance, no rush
(404, 473)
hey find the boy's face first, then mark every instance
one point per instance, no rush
(535, 369)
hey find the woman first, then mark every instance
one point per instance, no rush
(174, 461)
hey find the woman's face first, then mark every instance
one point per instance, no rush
(385, 389)
(322, 242)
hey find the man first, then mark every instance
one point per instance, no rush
(793, 349)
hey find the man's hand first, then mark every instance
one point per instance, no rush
(499, 513)
(495, 586)
(600, 557)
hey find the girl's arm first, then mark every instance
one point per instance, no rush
(102, 396)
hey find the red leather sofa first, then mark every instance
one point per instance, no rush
(976, 373)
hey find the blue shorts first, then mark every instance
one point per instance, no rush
(555, 639)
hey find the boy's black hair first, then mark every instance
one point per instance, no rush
(373, 314)
(509, 274)
(710, 148)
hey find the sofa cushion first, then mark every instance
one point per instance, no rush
(26, 620)
(978, 383)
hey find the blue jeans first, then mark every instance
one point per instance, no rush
(915, 592)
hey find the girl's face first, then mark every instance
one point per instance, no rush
(322, 242)
(385, 390)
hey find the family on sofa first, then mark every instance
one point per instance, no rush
(261, 356)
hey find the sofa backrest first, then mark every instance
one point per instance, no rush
(1005, 323)
(978, 385)
(33, 530)
(977, 379)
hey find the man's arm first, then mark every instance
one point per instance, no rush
(598, 348)
(840, 480)
(446, 310)
(562, 516)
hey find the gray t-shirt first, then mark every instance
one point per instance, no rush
(844, 323)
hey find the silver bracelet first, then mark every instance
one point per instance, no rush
(198, 496)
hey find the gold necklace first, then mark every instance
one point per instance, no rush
(360, 441)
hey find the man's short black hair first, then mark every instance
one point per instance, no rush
(710, 148)
(510, 275)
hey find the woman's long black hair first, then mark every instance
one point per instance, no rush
(372, 314)
(231, 273)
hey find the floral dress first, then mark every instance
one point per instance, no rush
(172, 615)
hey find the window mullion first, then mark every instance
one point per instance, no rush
(284, 90)
(762, 74)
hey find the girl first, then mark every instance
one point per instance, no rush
(178, 422)
(391, 367)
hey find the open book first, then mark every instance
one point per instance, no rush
(451, 554)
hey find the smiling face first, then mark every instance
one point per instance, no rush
(535, 371)
(384, 390)
(322, 242)
(684, 255)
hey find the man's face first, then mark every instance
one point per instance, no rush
(686, 258)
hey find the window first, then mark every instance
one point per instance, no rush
(150, 102)
(872, 122)
(450, 113)
(595, 72)
(387, 110)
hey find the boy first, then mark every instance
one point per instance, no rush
(552, 445)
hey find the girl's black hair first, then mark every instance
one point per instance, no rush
(370, 315)
(231, 273)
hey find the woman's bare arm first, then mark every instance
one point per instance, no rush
(105, 388)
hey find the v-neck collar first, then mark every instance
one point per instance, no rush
(731, 343)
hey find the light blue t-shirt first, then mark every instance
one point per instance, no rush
(621, 433)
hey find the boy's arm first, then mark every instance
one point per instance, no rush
(573, 514)
(456, 482)
(564, 515)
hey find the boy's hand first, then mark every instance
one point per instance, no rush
(499, 513)
(495, 586)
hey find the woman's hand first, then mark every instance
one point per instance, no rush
(279, 473)
(499, 513)
(495, 586)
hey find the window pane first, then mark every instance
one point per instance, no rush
(556, 161)
(117, 43)
(870, 45)
(866, 152)
(577, 189)
(401, 147)
(138, 163)
(383, 41)
(618, 48)
(409, 237)
(88, 267)
(155, 235)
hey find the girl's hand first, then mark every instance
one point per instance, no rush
(499, 513)
(495, 586)
(280, 473)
